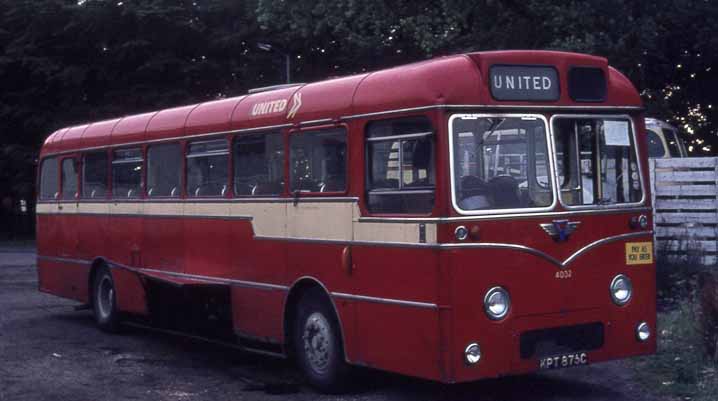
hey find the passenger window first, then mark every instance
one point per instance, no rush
(94, 175)
(318, 161)
(69, 178)
(400, 158)
(164, 170)
(127, 173)
(207, 168)
(672, 141)
(49, 184)
(259, 165)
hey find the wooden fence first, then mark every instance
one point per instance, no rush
(685, 202)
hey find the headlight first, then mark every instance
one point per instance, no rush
(497, 303)
(643, 332)
(472, 354)
(621, 290)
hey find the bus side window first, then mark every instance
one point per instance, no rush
(655, 145)
(318, 161)
(672, 140)
(164, 170)
(69, 178)
(400, 166)
(127, 173)
(207, 168)
(94, 175)
(49, 183)
(259, 165)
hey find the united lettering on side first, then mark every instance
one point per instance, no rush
(524, 82)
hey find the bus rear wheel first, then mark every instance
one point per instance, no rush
(104, 301)
(318, 345)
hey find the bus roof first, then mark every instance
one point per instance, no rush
(656, 123)
(497, 79)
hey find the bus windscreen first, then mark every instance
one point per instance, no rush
(596, 161)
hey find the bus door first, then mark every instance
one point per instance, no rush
(394, 266)
(68, 206)
(320, 209)
(125, 223)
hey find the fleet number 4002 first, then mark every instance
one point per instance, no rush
(561, 274)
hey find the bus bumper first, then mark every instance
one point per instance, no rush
(562, 340)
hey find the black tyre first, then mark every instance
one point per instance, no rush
(318, 344)
(104, 301)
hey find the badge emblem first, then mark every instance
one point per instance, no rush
(560, 230)
(296, 104)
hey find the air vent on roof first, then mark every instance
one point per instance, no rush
(273, 87)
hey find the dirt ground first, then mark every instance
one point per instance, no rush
(49, 351)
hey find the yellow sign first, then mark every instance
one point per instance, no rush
(639, 253)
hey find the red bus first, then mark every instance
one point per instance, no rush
(465, 217)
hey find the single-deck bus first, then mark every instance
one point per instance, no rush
(664, 140)
(465, 217)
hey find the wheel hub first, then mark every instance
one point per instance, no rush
(106, 297)
(317, 342)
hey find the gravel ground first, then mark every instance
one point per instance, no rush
(49, 351)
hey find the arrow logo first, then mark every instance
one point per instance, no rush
(296, 104)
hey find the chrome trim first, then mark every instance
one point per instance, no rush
(515, 247)
(541, 107)
(155, 216)
(200, 200)
(316, 122)
(390, 301)
(636, 153)
(446, 220)
(207, 154)
(400, 192)
(347, 242)
(605, 241)
(394, 111)
(64, 260)
(536, 252)
(487, 212)
(489, 106)
(399, 137)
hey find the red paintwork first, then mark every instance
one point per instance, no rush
(212, 116)
(98, 134)
(419, 342)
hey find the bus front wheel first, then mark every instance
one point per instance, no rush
(104, 301)
(318, 345)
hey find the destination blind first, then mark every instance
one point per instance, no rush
(524, 82)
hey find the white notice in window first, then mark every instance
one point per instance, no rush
(615, 133)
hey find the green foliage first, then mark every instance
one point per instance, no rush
(680, 367)
(64, 62)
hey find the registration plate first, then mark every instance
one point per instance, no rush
(563, 361)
